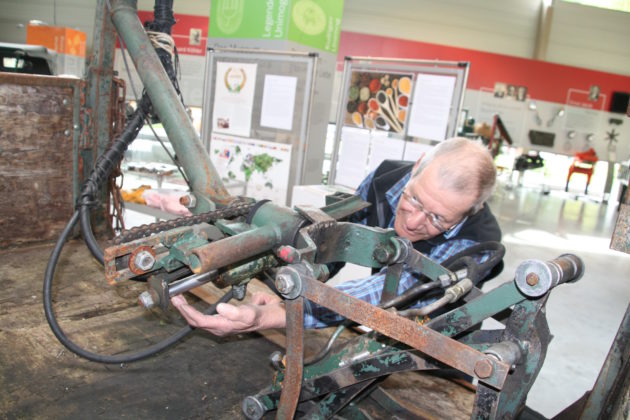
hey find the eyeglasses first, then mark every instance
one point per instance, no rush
(434, 219)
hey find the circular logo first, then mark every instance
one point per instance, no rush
(309, 17)
(234, 79)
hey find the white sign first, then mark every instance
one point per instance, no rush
(353, 157)
(261, 166)
(234, 98)
(278, 102)
(432, 97)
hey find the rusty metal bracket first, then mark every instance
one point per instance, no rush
(444, 349)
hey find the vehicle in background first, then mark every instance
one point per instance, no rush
(22, 58)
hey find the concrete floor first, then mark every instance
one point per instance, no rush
(583, 317)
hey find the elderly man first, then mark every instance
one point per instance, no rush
(438, 203)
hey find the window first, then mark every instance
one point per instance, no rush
(620, 5)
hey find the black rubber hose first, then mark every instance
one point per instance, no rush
(497, 254)
(410, 293)
(163, 19)
(102, 169)
(75, 348)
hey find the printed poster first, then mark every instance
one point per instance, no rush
(234, 98)
(261, 166)
(432, 99)
(378, 101)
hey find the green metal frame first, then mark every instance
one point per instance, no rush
(204, 180)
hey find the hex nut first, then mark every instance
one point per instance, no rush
(483, 369)
(381, 254)
(284, 283)
(144, 260)
(146, 300)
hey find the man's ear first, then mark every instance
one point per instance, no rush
(417, 164)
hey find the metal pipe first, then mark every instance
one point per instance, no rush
(191, 282)
(204, 179)
(425, 310)
(234, 249)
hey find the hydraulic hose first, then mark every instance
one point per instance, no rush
(103, 167)
(78, 350)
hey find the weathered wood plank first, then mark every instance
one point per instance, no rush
(36, 157)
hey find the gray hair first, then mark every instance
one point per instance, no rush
(465, 166)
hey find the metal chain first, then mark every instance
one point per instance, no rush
(239, 208)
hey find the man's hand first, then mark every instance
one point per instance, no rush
(266, 311)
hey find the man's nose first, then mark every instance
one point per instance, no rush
(416, 219)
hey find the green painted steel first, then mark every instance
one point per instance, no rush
(348, 242)
(96, 125)
(477, 310)
(243, 273)
(286, 221)
(204, 179)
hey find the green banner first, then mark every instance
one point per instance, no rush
(316, 23)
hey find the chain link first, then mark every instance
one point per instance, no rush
(239, 208)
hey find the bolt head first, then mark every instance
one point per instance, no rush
(144, 260)
(483, 369)
(381, 255)
(253, 408)
(146, 300)
(188, 201)
(276, 359)
(284, 283)
(532, 279)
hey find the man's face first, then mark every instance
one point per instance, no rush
(424, 192)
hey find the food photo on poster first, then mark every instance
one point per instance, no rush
(378, 100)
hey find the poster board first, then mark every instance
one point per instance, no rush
(397, 101)
(256, 110)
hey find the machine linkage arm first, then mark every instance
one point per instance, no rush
(505, 362)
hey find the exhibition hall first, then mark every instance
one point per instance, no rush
(322, 209)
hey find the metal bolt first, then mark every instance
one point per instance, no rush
(146, 300)
(284, 283)
(253, 408)
(188, 201)
(66, 132)
(65, 101)
(483, 369)
(144, 260)
(239, 291)
(532, 279)
(276, 360)
(381, 254)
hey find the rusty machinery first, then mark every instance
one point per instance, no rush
(231, 240)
